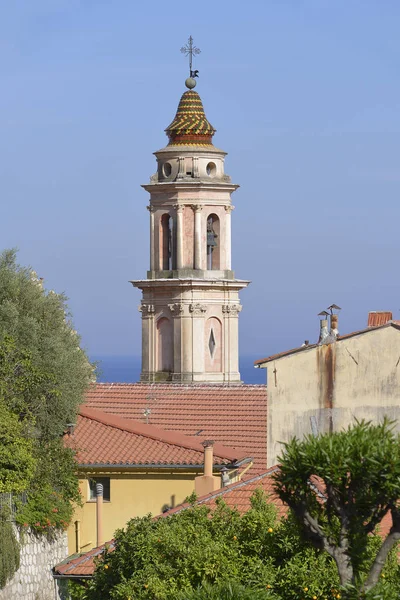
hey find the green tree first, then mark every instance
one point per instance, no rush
(9, 549)
(358, 471)
(225, 590)
(198, 552)
(43, 377)
(39, 323)
(17, 463)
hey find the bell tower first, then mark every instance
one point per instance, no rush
(190, 299)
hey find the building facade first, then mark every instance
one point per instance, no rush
(324, 387)
(190, 305)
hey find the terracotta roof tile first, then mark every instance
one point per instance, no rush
(238, 495)
(82, 565)
(235, 416)
(106, 439)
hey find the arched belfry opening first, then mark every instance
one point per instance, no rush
(213, 242)
(167, 246)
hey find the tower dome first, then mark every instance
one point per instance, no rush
(190, 126)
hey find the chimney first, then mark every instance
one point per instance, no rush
(206, 483)
(334, 325)
(225, 479)
(99, 514)
(323, 331)
(379, 317)
(333, 312)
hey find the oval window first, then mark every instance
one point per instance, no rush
(211, 169)
(167, 169)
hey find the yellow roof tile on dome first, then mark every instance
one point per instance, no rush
(190, 125)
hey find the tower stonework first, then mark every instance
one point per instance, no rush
(190, 300)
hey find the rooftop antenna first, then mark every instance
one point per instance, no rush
(190, 50)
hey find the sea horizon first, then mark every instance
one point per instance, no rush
(126, 369)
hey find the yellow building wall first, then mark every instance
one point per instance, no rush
(131, 495)
(328, 387)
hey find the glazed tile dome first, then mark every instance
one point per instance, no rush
(190, 126)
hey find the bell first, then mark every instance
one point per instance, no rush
(211, 241)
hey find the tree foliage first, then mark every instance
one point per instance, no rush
(39, 323)
(43, 377)
(10, 550)
(17, 463)
(197, 552)
(358, 471)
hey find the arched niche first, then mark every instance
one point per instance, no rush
(213, 345)
(213, 242)
(164, 345)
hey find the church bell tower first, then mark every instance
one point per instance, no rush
(190, 299)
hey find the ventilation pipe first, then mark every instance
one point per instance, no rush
(206, 483)
(99, 514)
(77, 536)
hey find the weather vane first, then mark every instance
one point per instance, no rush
(189, 50)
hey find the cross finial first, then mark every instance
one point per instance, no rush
(189, 50)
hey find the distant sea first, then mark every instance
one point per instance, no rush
(126, 369)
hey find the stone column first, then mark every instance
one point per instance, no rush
(198, 312)
(197, 235)
(151, 210)
(179, 235)
(228, 249)
(181, 170)
(177, 310)
(231, 345)
(195, 166)
(148, 341)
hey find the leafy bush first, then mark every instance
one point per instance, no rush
(9, 549)
(195, 552)
(226, 590)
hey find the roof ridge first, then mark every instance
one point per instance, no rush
(218, 386)
(174, 438)
(223, 491)
(345, 336)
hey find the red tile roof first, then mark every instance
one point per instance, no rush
(83, 565)
(101, 438)
(238, 495)
(235, 416)
(261, 361)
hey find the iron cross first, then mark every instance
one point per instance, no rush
(189, 50)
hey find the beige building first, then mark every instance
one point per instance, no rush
(190, 304)
(325, 386)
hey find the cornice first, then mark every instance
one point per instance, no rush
(234, 284)
(195, 186)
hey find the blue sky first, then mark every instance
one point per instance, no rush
(305, 97)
